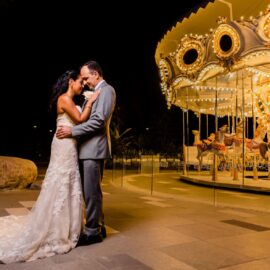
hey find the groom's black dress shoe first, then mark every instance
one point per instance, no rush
(86, 240)
(103, 232)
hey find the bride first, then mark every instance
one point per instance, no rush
(54, 224)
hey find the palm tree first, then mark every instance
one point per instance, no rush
(122, 142)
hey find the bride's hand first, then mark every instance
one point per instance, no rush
(94, 96)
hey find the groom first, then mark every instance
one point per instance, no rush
(95, 147)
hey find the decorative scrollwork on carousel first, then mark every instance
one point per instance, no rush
(264, 27)
(165, 70)
(190, 55)
(226, 42)
(166, 74)
(262, 106)
(169, 97)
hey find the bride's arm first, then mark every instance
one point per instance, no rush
(66, 104)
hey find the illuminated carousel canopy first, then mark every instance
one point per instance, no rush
(218, 59)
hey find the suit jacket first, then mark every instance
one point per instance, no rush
(94, 134)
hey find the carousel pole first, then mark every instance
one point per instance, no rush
(244, 129)
(187, 135)
(232, 115)
(200, 123)
(187, 138)
(235, 169)
(184, 144)
(236, 102)
(268, 153)
(247, 127)
(207, 133)
(214, 175)
(231, 127)
(187, 126)
(231, 130)
(255, 169)
(233, 119)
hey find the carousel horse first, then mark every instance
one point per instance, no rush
(221, 133)
(237, 138)
(211, 145)
(264, 147)
(234, 143)
(259, 136)
(234, 139)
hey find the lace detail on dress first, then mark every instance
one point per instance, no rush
(54, 223)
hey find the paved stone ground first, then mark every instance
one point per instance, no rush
(160, 231)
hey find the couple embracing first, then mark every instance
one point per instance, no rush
(72, 184)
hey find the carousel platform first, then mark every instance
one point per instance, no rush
(244, 183)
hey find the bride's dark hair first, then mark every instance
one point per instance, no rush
(60, 87)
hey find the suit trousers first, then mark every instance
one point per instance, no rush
(91, 171)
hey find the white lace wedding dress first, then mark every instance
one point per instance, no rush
(54, 223)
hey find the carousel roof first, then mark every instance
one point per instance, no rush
(204, 19)
(217, 60)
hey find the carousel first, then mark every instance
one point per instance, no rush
(215, 66)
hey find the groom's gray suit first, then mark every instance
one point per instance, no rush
(94, 147)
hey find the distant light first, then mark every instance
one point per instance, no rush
(147, 128)
(35, 126)
(51, 130)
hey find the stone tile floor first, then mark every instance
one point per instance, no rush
(159, 232)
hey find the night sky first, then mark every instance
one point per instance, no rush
(41, 39)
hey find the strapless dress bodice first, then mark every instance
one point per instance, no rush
(64, 120)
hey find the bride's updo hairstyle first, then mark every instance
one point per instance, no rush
(60, 87)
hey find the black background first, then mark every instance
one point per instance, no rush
(41, 39)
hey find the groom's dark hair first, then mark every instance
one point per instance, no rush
(93, 65)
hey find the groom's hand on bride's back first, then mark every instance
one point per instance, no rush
(63, 132)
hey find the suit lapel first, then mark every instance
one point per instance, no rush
(102, 85)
